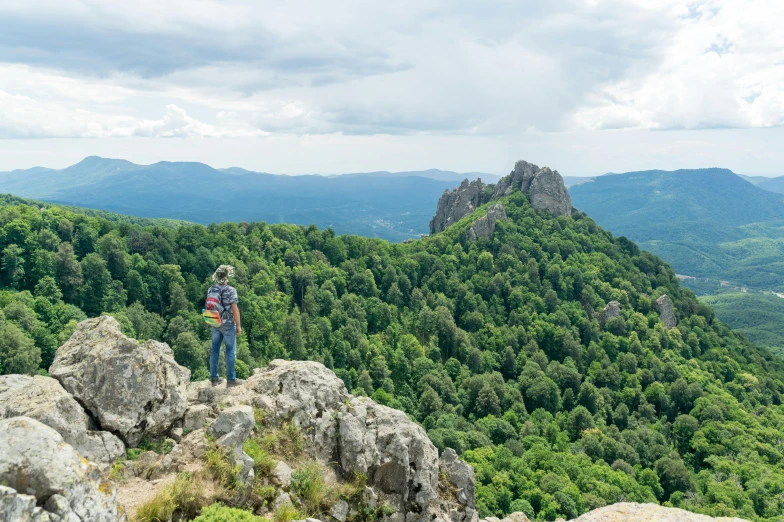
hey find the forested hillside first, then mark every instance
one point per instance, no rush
(498, 346)
(707, 223)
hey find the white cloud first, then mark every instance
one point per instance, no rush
(724, 67)
(502, 69)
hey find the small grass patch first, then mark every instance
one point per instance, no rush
(219, 464)
(309, 485)
(287, 513)
(117, 472)
(263, 463)
(221, 513)
(181, 500)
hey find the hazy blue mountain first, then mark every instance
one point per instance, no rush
(393, 206)
(570, 181)
(708, 223)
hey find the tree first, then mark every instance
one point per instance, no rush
(673, 475)
(291, 336)
(13, 266)
(683, 430)
(68, 273)
(429, 402)
(580, 419)
(18, 353)
(487, 402)
(97, 281)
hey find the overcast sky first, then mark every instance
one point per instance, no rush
(582, 86)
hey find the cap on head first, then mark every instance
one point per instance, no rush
(223, 274)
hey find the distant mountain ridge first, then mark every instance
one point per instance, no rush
(393, 206)
(705, 222)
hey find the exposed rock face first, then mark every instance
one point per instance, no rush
(401, 463)
(231, 429)
(545, 189)
(132, 390)
(454, 206)
(43, 399)
(485, 226)
(630, 512)
(664, 306)
(613, 309)
(461, 475)
(36, 461)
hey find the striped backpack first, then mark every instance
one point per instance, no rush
(213, 309)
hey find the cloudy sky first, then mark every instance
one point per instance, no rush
(584, 86)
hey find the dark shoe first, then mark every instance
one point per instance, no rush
(235, 382)
(216, 382)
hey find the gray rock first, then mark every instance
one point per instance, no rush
(195, 417)
(15, 507)
(45, 400)
(232, 428)
(631, 512)
(132, 390)
(369, 497)
(176, 434)
(281, 500)
(340, 511)
(395, 453)
(613, 309)
(545, 189)
(36, 461)
(194, 444)
(281, 475)
(485, 226)
(460, 474)
(457, 204)
(664, 306)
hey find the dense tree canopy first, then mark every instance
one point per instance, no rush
(497, 346)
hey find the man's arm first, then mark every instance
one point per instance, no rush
(235, 311)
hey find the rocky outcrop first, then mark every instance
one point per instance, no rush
(133, 390)
(45, 400)
(457, 204)
(630, 512)
(545, 189)
(485, 226)
(613, 309)
(666, 313)
(401, 463)
(231, 429)
(36, 462)
(517, 516)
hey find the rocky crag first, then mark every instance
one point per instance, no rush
(545, 188)
(59, 434)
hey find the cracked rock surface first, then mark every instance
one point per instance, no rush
(36, 463)
(45, 400)
(133, 390)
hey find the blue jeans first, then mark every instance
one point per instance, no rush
(227, 333)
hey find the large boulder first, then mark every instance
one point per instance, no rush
(455, 205)
(45, 400)
(134, 390)
(631, 512)
(37, 462)
(401, 463)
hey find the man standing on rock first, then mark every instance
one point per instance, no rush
(230, 326)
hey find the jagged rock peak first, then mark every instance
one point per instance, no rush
(545, 189)
(455, 205)
(544, 186)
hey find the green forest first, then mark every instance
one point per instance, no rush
(497, 347)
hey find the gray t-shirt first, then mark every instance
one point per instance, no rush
(228, 297)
